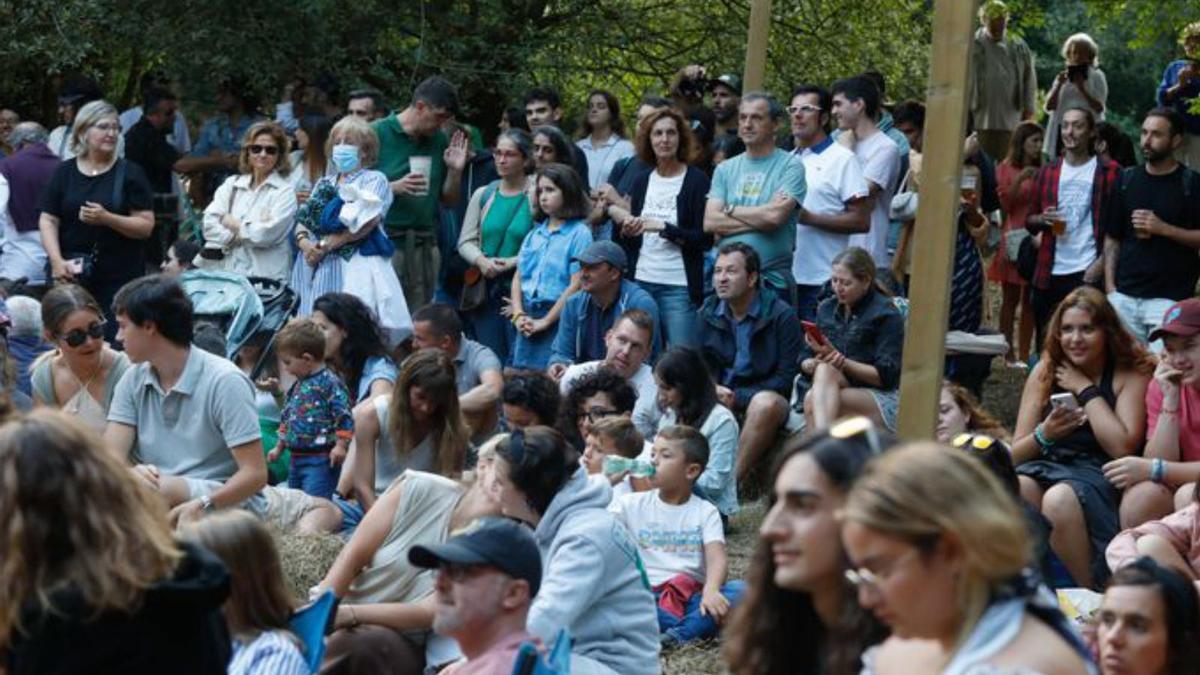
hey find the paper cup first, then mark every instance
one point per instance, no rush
(423, 165)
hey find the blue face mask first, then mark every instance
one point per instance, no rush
(344, 157)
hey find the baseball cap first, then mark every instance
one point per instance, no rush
(730, 80)
(603, 251)
(498, 542)
(1182, 319)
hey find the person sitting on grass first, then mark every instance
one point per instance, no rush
(529, 398)
(614, 437)
(316, 424)
(1149, 622)
(1173, 541)
(681, 540)
(959, 413)
(599, 395)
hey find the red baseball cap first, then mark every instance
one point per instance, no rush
(1182, 319)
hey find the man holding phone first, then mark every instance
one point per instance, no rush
(1180, 86)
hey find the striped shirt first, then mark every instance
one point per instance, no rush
(1045, 196)
(271, 653)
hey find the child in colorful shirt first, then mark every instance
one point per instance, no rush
(316, 424)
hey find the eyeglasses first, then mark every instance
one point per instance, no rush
(594, 415)
(864, 579)
(505, 154)
(79, 336)
(257, 149)
(806, 109)
(460, 573)
(108, 128)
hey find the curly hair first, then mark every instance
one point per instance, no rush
(72, 516)
(533, 391)
(601, 380)
(363, 338)
(433, 371)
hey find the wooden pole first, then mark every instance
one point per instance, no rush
(933, 241)
(757, 36)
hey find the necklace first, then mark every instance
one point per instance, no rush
(93, 170)
(83, 386)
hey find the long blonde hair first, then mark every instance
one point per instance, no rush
(433, 371)
(921, 492)
(72, 516)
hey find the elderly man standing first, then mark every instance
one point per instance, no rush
(1003, 84)
(27, 172)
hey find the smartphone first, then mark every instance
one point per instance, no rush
(1079, 72)
(1064, 400)
(812, 331)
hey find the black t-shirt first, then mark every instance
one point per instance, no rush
(117, 256)
(148, 148)
(1156, 267)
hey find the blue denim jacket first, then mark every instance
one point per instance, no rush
(569, 339)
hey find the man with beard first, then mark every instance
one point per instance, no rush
(726, 96)
(1153, 229)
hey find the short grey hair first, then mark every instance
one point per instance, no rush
(89, 116)
(774, 108)
(26, 316)
(27, 133)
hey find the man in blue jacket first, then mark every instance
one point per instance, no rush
(751, 341)
(589, 314)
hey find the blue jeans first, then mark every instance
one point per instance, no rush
(486, 326)
(533, 352)
(694, 625)
(313, 474)
(676, 313)
(806, 301)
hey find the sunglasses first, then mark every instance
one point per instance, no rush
(79, 336)
(851, 427)
(260, 149)
(806, 108)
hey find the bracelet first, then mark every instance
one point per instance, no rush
(1088, 393)
(1040, 437)
(1158, 470)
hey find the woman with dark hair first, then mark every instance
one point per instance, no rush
(663, 230)
(1014, 186)
(599, 394)
(1114, 144)
(513, 118)
(592, 584)
(687, 395)
(529, 398)
(799, 616)
(551, 146)
(1083, 404)
(354, 345)
(309, 159)
(1149, 622)
(602, 136)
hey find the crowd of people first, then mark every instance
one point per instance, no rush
(531, 386)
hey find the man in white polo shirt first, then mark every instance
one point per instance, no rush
(835, 205)
(185, 417)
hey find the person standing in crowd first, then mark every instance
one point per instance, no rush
(799, 615)
(725, 95)
(627, 347)
(259, 606)
(548, 270)
(1015, 183)
(1080, 85)
(487, 578)
(96, 211)
(187, 417)
(856, 106)
(75, 93)
(146, 145)
(310, 160)
(1113, 144)
(755, 196)
(619, 183)
(551, 146)
(1083, 405)
(424, 168)
(1070, 204)
(339, 233)
(478, 372)
(365, 104)
(96, 582)
(178, 135)
(588, 316)
(1153, 230)
(543, 108)
(9, 119)
(750, 340)
(592, 582)
(662, 231)
(1149, 622)
(1180, 86)
(246, 225)
(1002, 84)
(80, 376)
(941, 548)
(835, 204)
(602, 136)
(28, 170)
(498, 217)
(217, 152)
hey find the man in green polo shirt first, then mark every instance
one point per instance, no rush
(415, 133)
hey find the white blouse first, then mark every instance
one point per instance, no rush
(261, 247)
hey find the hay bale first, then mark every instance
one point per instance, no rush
(306, 558)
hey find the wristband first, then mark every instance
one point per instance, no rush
(1088, 393)
(1158, 470)
(1040, 437)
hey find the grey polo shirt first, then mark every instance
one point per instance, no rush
(189, 430)
(473, 360)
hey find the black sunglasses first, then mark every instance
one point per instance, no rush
(79, 336)
(257, 149)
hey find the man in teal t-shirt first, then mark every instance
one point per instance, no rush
(416, 132)
(755, 196)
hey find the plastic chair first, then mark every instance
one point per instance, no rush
(311, 624)
(556, 662)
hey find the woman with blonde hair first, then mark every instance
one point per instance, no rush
(91, 580)
(1080, 85)
(1083, 405)
(941, 549)
(246, 224)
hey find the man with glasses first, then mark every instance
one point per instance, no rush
(835, 204)
(487, 576)
(366, 104)
(423, 167)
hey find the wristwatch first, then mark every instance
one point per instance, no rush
(728, 210)
(206, 504)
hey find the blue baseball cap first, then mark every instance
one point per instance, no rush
(603, 251)
(497, 542)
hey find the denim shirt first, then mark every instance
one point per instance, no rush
(872, 332)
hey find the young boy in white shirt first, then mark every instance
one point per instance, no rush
(680, 540)
(615, 436)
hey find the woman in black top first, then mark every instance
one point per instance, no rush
(95, 210)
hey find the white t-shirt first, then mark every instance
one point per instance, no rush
(670, 537)
(645, 411)
(880, 160)
(834, 177)
(1075, 251)
(661, 261)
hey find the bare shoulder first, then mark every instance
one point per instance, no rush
(898, 656)
(1038, 648)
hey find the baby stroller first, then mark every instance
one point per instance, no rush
(241, 308)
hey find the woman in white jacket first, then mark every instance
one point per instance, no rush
(247, 224)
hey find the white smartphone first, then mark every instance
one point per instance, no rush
(1064, 400)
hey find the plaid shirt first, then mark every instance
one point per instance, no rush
(1045, 196)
